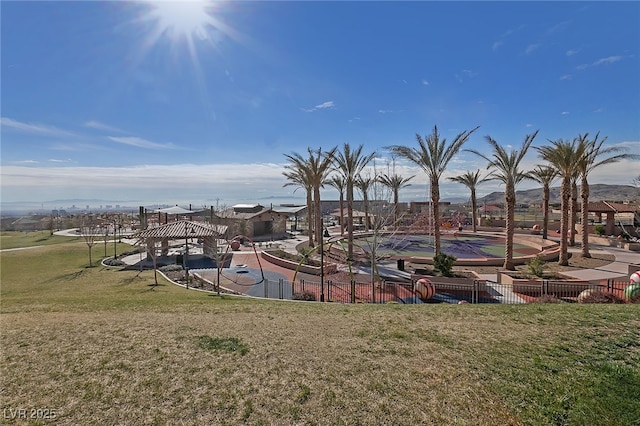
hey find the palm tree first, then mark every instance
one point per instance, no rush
(316, 169)
(350, 162)
(395, 183)
(433, 155)
(592, 150)
(545, 176)
(337, 181)
(562, 155)
(364, 184)
(506, 168)
(471, 180)
(298, 177)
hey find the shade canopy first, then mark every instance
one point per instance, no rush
(183, 229)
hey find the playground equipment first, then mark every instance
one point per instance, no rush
(635, 277)
(425, 289)
(632, 291)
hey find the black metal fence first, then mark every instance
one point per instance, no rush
(473, 291)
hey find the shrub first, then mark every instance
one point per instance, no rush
(170, 268)
(599, 230)
(548, 298)
(443, 264)
(305, 295)
(113, 262)
(537, 266)
(603, 297)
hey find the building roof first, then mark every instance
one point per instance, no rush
(289, 209)
(174, 210)
(183, 229)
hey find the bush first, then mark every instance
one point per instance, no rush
(537, 266)
(603, 297)
(548, 298)
(170, 268)
(305, 295)
(599, 230)
(443, 264)
(113, 262)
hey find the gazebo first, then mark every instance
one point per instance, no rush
(610, 209)
(182, 230)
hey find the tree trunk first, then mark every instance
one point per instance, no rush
(365, 201)
(350, 220)
(510, 200)
(310, 218)
(395, 207)
(474, 210)
(564, 222)
(435, 201)
(584, 192)
(318, 211)
(545, 212)
(574, 213)
(342, 213)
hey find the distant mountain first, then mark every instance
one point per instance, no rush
(597, 192)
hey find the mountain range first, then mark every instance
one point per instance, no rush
(597, 192)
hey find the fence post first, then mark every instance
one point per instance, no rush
(280, 291)
(474, 293)
(265, 283)
(353, 291)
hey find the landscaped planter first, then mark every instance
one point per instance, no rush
(568, 287)
(329, 268)
(446, 283)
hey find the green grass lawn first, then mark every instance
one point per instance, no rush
(103, 346)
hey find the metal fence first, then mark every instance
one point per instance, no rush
(474, 291)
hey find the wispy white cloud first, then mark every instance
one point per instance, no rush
(351, 120)
(26, 162)
(496, 45)
(557, 27)
(564, 113)
(34, 128)
(93, 124)
(141, 143)
(465, 75)
(528, 125)
(55, 160)
(566, 77)
(602, 61)
(324, 105)
(532, 48)
(386, 111)
(571, 52)
(425, 82)
(598, 110)
(607, 60)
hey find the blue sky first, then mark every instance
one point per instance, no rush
(160, 102)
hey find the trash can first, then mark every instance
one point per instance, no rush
(179, 260)
(400, 264)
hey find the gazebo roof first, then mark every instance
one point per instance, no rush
(610, 207)
(183, 229)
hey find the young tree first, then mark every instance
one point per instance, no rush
(364, 184)
(433, 155)
(337, 181)
(505, 167)
(395, 183)
(471, 180)
(89, 230)
(350, 163)
(544, 175)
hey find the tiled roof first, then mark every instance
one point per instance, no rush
(183, 229)
(606, 206)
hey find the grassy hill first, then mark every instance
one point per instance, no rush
(103, 346)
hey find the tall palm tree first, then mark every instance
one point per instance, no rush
(316, 168)
(298, 177)
(471, 180)
(337, 181)
(563, 156)
(364, 185)
(506, 168)
(433, 155)
(395, 183)
(593, 150)
(573, 215)
(350, 162)
(545, 176)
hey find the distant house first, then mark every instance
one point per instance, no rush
(252, 220)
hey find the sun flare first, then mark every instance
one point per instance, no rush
(183, 19)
